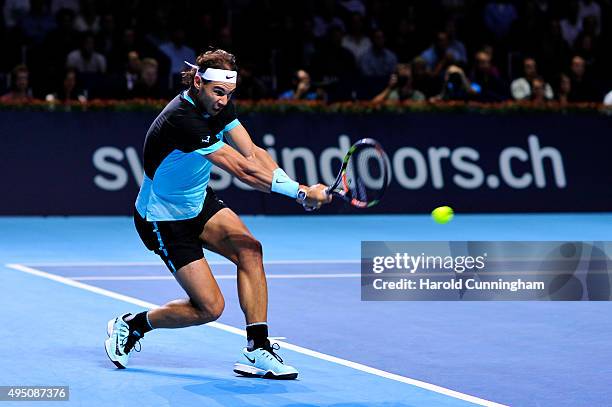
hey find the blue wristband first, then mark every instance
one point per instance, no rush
(282, 184)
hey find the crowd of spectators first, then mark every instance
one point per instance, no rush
(331, 50)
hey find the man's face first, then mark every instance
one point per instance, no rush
(149, 76)
(483, 62)
(21, 81)
(530, 67)
(88, 46)
(303, 76)
(133, 62)
(441, 42)
(70, 80)
(214, 96)
(537, 87)
(378, 39)
(578, 66)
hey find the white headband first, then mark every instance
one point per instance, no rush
(216, 75)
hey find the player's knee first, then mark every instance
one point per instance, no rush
(216, 309)
(210, 311)
(251, 247)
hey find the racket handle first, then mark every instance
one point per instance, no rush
(308, 208)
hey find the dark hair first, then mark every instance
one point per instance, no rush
(215, 58)
(19, 69)
(16, 71)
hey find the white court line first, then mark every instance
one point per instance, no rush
(295, 348)
(159, 263)
(218, 277)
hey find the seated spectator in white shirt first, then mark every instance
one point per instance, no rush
(608, 99)
(355, 40)
(86, 59)
(520, 88)
(177, 51)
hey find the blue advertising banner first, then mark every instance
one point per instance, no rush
(61, 163)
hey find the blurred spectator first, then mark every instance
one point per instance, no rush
(20, 89)
(130, 76)
(106, 39)
(333, 61)
(38, 23)
(86, 59)
(60, 41)
(326, 18)
(582, 87)
(488, 49)
(552, 51)
(488, 86)
(177, 52)
(571, 26)
(499, 16)
(586, 48)
(439, 55)
(529, 26)
(422, 79)
(378, 15)
(405, 41)
(302, 88)
(378, 60)
(590, 8)
(69, 90)
(355, 40)
(148, 87)
(354, 6)
(87, 19)
(249, 87)
(456, 86)
(521, 87)
(538, 94)
(565, 88)
(454, 44)
(400, 87)
(608, 99)
(14, 11)
(72, 5)
(224, 38)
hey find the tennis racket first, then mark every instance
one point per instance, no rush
(364, 175)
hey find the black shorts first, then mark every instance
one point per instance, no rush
(178, 242)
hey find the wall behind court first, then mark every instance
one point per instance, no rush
(89, 163)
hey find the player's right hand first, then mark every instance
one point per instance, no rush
(316, 196)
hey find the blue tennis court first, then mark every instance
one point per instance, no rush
(63, 278)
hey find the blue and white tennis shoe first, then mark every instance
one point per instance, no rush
(120, 341)
(264, 362)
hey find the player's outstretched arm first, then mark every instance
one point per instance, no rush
(262, 178)
(239, 138)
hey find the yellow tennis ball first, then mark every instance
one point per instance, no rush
(442, 214)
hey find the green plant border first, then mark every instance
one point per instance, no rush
(283, 107)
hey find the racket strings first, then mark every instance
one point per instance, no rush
(366, 175)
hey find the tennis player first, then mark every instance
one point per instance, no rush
(177, 214)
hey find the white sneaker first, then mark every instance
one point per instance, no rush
(264, 362)
(120, 341)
